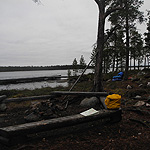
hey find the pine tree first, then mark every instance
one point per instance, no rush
(75, 67)
(127, 19)
(106, 7)
(82, 61)
(147, 42)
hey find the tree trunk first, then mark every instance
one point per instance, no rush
(127, 44)
(98, 85)
(113, 69)
(130, 62)
(134, 61)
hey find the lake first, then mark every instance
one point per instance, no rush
(35, 85)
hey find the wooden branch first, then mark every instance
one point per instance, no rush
(80, 93)
(110, 33)
(108, 12)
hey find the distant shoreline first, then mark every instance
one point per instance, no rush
(38, 68)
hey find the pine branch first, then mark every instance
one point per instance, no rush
(108, 12)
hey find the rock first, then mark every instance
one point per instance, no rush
(139, 103)
(140, 85)
(129, 87)
(31, 117)
(147, 105)
(138, 97)
(148, 84)
(90, 102)
(3, 107)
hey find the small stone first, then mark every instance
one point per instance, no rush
(3, 107)
(139, 103)
(138, 97)
(148, 84)
(147, 104)
(140, 85)
(129, 87)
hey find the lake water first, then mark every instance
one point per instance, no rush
(35, 85)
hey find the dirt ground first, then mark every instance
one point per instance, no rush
(131, 133)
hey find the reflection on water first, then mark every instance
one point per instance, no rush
(34, 85)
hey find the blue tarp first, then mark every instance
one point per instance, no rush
(119, 77)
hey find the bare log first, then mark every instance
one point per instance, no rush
(47, 125)
(80, 93)
(42, 97)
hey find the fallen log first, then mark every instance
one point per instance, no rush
(8, 133)
(20, 99)
(79, 93)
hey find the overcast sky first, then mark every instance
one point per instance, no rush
(50, 34)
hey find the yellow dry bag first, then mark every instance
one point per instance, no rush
(113, 101)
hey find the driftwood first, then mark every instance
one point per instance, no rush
(7, 133)
(80, 93)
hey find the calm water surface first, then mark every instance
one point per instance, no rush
(35, 85)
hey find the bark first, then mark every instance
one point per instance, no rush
(113, 63)
(98, 85)
(99, 57)
(127, 44)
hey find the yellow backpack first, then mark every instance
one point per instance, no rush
(113, 101)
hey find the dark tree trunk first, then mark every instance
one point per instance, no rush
(130, 62)
(104, 70)
(127, 44)
(113, 69)
(134, 61)
(98, 85)
(145, 61)
(138, 64)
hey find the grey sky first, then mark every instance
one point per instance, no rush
(50, 34)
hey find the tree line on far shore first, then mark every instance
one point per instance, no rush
(36, 68)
